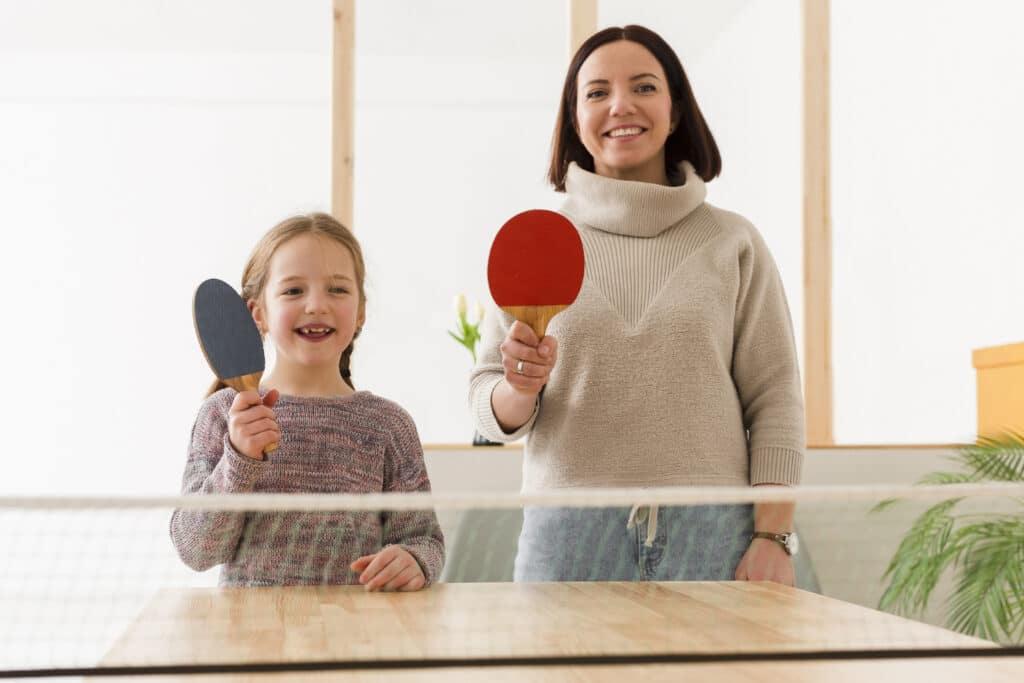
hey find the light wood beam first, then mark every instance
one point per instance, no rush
(582, 22)
(343, 110)
(817, 226)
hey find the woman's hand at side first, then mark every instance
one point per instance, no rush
(528, 362)
(766, 560)
(252, 425)
(392, 569)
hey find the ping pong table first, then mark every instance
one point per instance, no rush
(541, 632)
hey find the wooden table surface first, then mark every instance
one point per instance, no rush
(474, 620)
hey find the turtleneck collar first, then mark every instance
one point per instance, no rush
(629, 207)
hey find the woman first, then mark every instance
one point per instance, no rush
(676, 365)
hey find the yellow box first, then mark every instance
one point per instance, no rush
(1000, 389)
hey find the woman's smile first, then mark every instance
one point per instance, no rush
(625, 133)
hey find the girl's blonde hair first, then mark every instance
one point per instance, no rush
(254, 277)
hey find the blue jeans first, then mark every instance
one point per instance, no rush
(691, 543)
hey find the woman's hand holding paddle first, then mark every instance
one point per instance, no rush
(528, 361)
(252, 425)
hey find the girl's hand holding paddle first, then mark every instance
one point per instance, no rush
(252, 425)
(528, 361)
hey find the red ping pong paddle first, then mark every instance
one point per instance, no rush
(229, 338)
(535, 268)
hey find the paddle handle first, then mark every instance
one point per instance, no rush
(250, 382)
(537, 317)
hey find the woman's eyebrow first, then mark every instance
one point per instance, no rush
(604, 81)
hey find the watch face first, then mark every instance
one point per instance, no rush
(794, 543)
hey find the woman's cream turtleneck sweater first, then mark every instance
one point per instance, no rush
(676, 364)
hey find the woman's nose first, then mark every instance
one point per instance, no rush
(622, 103)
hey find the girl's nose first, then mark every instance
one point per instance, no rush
(316, 302)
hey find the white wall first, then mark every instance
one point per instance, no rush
(927, 99)
(145, 147)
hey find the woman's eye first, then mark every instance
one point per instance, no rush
(646, 87)
(595, 94)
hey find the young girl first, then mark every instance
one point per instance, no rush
(304, 286)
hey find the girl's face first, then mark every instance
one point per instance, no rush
(624, 111)
(310, 306)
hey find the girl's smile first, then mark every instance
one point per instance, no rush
(314, 333)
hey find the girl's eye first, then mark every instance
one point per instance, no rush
(292, 291)
(339, 290)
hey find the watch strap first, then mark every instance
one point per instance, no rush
(781, 539)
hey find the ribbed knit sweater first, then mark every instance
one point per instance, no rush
(353, 444)
(676, 363)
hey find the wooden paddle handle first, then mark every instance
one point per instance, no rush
(537, 317)
(249, 382)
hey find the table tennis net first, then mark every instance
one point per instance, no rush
(93, 585)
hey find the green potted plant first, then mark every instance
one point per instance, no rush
(467, 333)
(985, 551)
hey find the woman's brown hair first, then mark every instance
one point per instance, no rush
(254, 277)
(690, 141)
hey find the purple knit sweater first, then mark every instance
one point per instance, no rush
(354, 444)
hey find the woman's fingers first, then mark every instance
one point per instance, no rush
(522, 333)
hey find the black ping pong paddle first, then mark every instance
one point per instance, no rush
(228, 336)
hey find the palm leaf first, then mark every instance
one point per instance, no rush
(996, 458)
(922, 557)
(989, 597)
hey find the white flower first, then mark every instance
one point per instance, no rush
(460, 304)
(479, 312)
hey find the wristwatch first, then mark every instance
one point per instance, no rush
(789, 541)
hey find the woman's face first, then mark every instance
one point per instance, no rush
(624, 111)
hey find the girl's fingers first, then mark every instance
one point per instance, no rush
(380, 560)
(360, 563)
(415, 583)
(397, 573)
(253, 414)
(245, 400)
(386, 573)
(265, 439)
(258, 427)
(407, 574)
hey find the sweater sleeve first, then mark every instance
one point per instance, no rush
(417, 531)
(202, 538)
(765, 370)
(486, 376)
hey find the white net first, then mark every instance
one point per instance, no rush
(91, 585)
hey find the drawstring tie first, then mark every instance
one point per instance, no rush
(638, 514)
